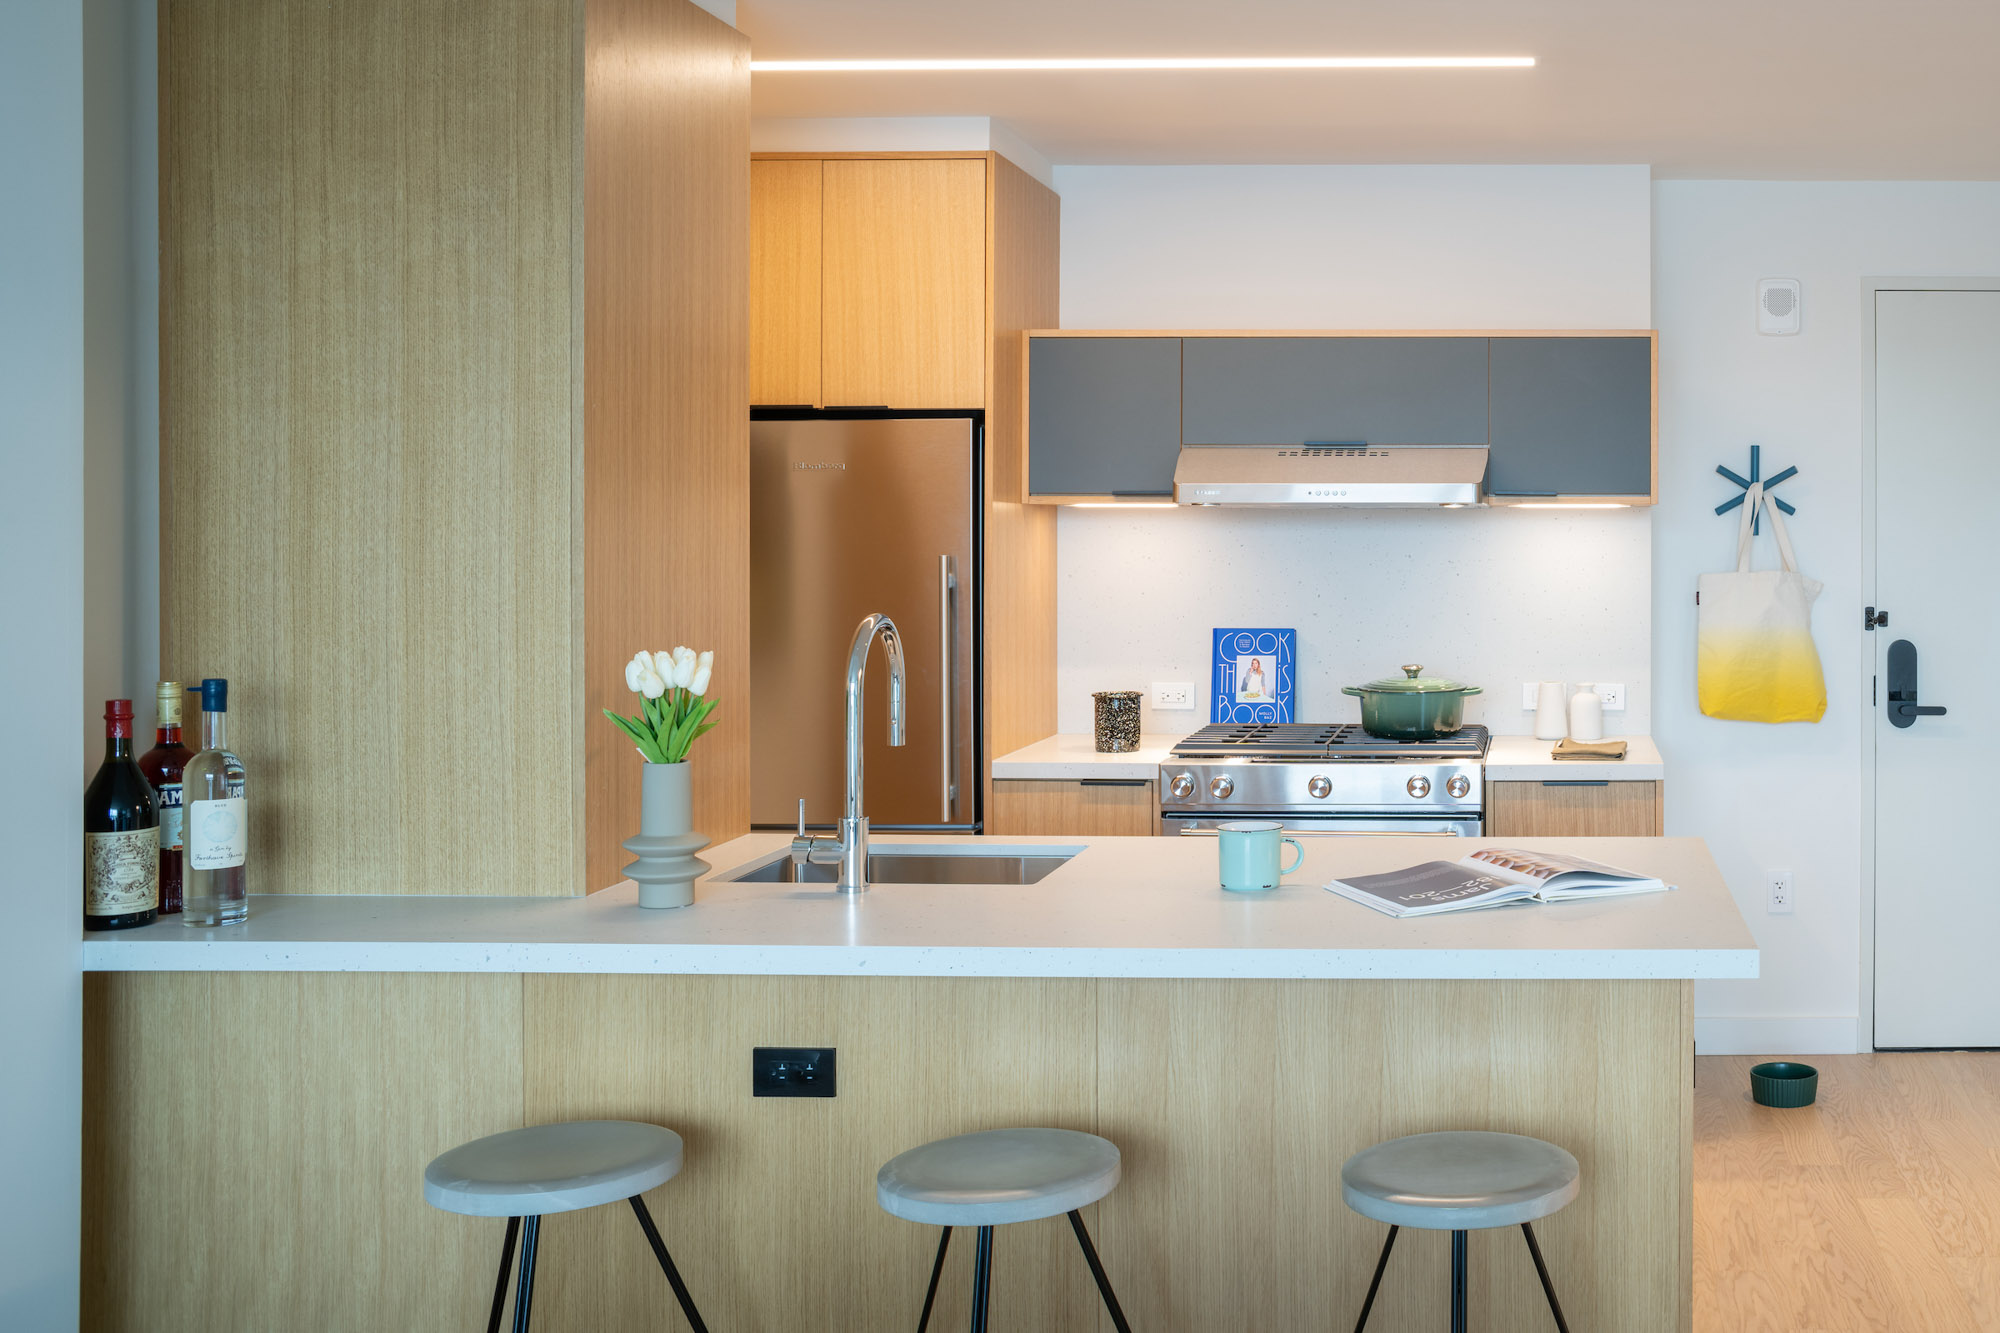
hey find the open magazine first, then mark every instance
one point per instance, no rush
(1491, 877)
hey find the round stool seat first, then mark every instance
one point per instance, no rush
(998, 1176)
(1463, 1180)
(552, 1168)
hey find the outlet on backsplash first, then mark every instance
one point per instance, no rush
(1613, 696)
(1173, 694)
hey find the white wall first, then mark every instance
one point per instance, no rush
(1789, 796)
(897, 134)
(1491, 598)
(41, 658)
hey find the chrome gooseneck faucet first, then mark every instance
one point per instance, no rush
(851, 847)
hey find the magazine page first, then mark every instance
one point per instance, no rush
(1558, 875)
(1434, 886)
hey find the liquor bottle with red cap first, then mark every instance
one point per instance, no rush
(121, 834)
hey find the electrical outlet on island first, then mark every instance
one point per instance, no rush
(1779, 893)
(1173, 694)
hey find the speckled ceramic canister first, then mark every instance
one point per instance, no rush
(1117, 721)
(667, 866)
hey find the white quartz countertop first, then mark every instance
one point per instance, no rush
(1122, 907)
(1072, 757)
(1525, 759)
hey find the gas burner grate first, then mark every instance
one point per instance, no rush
(1336, 741)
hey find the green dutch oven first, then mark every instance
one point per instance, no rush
(1415, 708)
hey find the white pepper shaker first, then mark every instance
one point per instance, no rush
(1586, 714)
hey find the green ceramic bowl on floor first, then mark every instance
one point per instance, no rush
(1784, 1083)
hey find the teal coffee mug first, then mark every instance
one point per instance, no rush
(1248, 851)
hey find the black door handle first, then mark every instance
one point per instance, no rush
(1903, 707)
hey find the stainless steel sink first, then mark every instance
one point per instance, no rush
(917, 865)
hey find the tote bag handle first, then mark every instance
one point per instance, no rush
(1752, 498)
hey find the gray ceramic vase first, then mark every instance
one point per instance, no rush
(667, 866)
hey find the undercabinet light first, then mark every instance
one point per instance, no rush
(1560, 504)
(1142, 63)
(1125, 504)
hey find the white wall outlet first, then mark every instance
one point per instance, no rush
(1779, 894)
(1531, 695)
(1613, 696)
(1173, 694)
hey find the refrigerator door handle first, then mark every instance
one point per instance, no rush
(947, 586)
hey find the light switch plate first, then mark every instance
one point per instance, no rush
(1531, 696)
(1613, 696)
(1175, 694)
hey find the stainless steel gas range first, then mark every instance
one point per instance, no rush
(1325, 779)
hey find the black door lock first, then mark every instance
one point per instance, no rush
(1873, 619)
(1903, 707)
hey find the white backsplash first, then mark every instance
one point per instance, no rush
(1488, 597)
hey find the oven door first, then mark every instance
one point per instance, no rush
(1331, 826)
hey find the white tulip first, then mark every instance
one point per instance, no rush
(684, 667)
(642, 676)
(702, 667)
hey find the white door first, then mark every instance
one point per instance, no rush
(1937, 791)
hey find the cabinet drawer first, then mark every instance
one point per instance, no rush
(1074, 809)
(1572, 416)
(1573, 809)
(1104, 416)
(1375, 390)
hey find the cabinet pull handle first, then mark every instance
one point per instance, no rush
(1600, 782)
(1134, 495)
(1112, 782)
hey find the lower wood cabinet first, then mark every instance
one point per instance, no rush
(1573, 809)
(1085, 808)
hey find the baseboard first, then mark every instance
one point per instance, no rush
(1778, 1036)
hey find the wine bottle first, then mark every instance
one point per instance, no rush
(121, 834)
(214, 887)
(162, 766)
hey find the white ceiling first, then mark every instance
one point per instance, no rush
(1769, 89)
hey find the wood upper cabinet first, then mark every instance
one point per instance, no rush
(1572, 418)
(785, 282)
(903, 283)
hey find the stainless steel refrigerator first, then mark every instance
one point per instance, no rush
(851, 515)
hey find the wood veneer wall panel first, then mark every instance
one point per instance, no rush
(666, 513)
(367, 442)
(773, 1221)
(1235, 1104)
(1024, 230)
(785, 282)
(255, 1146)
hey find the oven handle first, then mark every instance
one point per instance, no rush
(1340, 833)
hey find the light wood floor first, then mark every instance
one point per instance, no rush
(1877, 1209)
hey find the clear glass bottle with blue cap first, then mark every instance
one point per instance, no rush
(215, 884)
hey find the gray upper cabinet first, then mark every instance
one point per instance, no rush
(1571, 416)
(1418, 390)
(1104, 416)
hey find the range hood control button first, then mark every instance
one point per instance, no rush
(1459, 786)
(1319, 787)
(1221, 787)
(1182, 786)
(1418, 787)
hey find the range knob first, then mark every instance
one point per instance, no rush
(1221, 787)
(1319, 787)
(1418, 787)
(1182, 786)
(1459, 785)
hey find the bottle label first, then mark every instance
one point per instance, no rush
(173, 818)
(218, 834)
(121, 872)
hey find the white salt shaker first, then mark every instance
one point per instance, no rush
(1549, 719)
(1586, 714)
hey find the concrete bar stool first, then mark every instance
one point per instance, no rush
(996, 1177)
(529, 1173)
(1459, 1182)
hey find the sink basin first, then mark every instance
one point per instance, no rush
(917, 865)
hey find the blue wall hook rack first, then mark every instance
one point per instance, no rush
(1745, 483)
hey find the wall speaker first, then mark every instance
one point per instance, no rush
(1778, 305)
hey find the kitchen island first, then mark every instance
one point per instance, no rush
(1237, 1048)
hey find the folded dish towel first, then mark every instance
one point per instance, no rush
(1568, 749)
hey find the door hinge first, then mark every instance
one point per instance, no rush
(1873, 619)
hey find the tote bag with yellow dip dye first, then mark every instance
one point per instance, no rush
(1755, 657)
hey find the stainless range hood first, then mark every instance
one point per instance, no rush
(1405, 476)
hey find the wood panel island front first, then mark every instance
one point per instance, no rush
(262, 1099)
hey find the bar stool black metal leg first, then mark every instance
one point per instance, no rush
(1097, 1271)
(1458, 1282)
(667, 1264)
(1542, 1271)
(500, 1283)
(930, 1295)
(1375, 1283)
(982, 1278)
(524, 1290)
